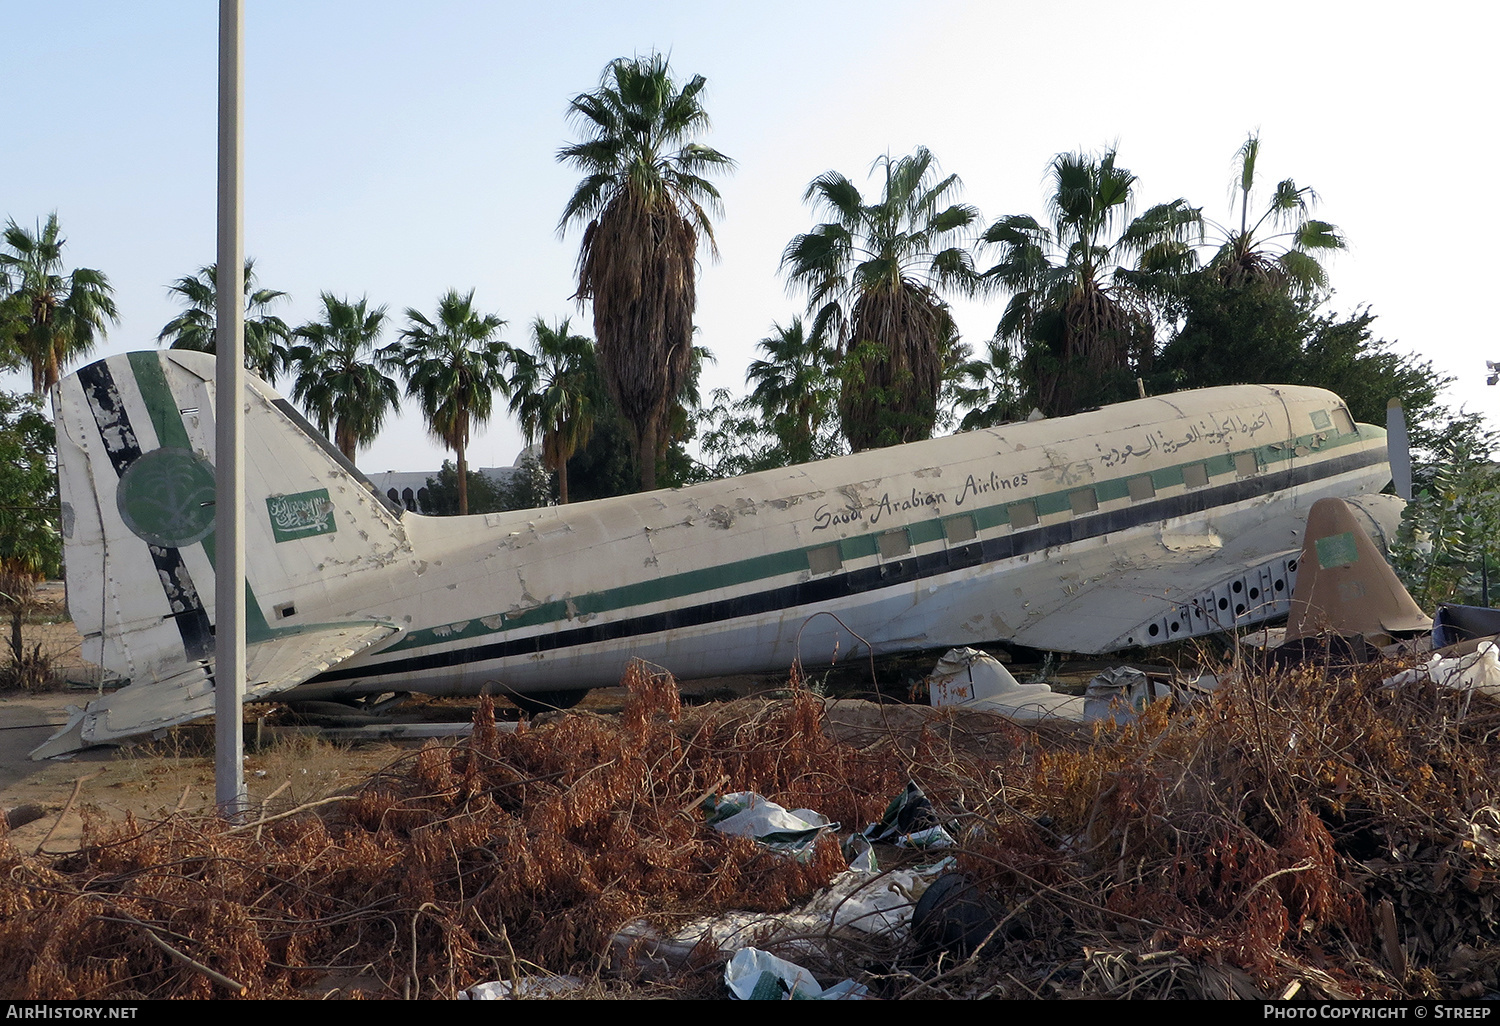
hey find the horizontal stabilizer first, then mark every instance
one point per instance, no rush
(1345, 586)
(282, 662)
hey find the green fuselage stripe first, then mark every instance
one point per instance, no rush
(778, 564)
(166, 418)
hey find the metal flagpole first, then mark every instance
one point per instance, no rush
(229, 421)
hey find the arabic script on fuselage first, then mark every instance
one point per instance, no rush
(1211, 429)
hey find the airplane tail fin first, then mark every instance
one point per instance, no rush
(136, 476)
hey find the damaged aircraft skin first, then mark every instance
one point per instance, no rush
(1139, 523)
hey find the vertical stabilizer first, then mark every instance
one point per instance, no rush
(136, 477)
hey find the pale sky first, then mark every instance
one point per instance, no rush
(397, 150)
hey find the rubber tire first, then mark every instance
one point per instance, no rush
(546, 701)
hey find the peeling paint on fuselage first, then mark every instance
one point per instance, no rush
(988, 535)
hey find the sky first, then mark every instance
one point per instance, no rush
(398, 150)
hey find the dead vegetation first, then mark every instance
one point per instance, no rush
(1296, 836)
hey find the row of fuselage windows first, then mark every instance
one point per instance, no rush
(960, 529)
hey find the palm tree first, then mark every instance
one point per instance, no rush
(337, 380)
(794, 388)
(266, 335)
(985, 388)
(1287, 257)
(874, 274)
(644, 203)
(454, 365)
(1077, 313)
(550, 393)
(58, 316)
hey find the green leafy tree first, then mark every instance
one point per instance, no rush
(12, 325)
(338, 377)
(644, 203)
(735, 438)
(30, 544)
(1251, 331)
(267, 337)
(440, 498)
(874, 274)
(1280, 247)
(57, 315)
(454, 364)
(674, 467)
(1259, 331)
(605, 465)
(1079, 315)
(1449, 545)
(532, 486)
(552, 390)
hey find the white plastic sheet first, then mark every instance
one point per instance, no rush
(1477, 671)
(756, 975)
(747, 814)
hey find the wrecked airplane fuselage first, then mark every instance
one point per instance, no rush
(1139, 523)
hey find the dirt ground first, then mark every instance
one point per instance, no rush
(151, 778)
(154, 777)
(175, 773)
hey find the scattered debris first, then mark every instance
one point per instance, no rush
(525, 988)
(909, 822)
(954, 916)
(755, 975)
(972, 679)
(1121, 693)
(746, 814)
(1477, 671)
(1454, 623)
(858, 911)
(1305, 832)
(975, 679)
(21, 815)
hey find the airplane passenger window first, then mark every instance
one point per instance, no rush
(824, 559)
(1195, 475)
(1023, 514)
(1246, 465)
(959, 529)
(894, 543)
(1083, 501)
(1141, 488)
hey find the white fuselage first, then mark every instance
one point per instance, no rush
(983, 536)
